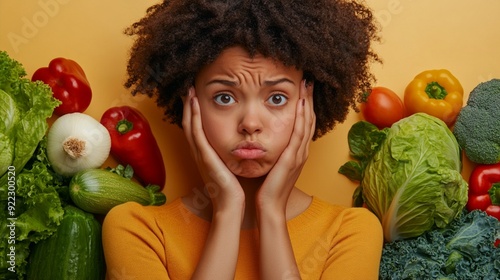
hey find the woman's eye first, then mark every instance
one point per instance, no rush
(224, 99)
(277, 100)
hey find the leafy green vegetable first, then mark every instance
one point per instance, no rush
(364, 140)
(478, 124)
(462, 250)
(30, 192)
(411, 178)
(25, 107)
(40, 196)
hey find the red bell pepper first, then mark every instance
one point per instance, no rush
(133, 143)
(484, 189)
(69, 85)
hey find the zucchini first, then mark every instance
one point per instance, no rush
(73, 252)
(98, 190)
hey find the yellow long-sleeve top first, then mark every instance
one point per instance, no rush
(165, 242)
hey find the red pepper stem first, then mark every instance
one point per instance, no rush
(435, 91)
(124, 126)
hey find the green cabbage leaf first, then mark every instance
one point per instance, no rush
(411, 177)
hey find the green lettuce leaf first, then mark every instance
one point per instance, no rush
(25, 107)
(40, 197)
(30, 191)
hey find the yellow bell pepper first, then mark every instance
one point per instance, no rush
(437, 93)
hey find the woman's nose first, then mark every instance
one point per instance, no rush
(250, 120)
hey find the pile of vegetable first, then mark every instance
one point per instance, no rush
(436, 225)
(53, 187)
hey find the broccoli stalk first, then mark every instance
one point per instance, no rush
(477, 128)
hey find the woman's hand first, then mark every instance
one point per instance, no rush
(277, 260)
(220, 183)
(273, 195)
(220, 254)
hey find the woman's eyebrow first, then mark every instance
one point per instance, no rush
(266, 82)
(224, 82)
(278, 81)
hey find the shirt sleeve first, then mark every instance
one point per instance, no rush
(133, 244)
(356, 249)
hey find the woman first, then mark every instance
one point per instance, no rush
(252, 83)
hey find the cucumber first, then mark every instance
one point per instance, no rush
(73, 252)
(98, 190)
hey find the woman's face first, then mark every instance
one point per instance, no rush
(248, 109)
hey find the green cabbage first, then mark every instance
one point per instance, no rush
(411, 177)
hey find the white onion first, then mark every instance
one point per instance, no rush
(76, 142)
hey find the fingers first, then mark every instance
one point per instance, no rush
(284, 174)
(187, 120)
(197, 133)
(211, 167)
(305, 121)
(309, 112)
(193, 128)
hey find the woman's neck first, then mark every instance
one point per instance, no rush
(297, 202)
(250, 186)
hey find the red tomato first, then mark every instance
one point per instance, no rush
(382, 107)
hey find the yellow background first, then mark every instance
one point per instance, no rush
(462, 36)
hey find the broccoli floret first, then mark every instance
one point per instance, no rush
(477, 128)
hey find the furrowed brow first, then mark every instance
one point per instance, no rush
(223, 82)
(266, 83)
(279, 81)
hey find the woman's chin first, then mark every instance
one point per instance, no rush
(255, 173)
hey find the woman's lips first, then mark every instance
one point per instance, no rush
(249, 150)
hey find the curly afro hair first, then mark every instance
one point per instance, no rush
(329, 40)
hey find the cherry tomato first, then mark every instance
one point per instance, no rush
(382, 107)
